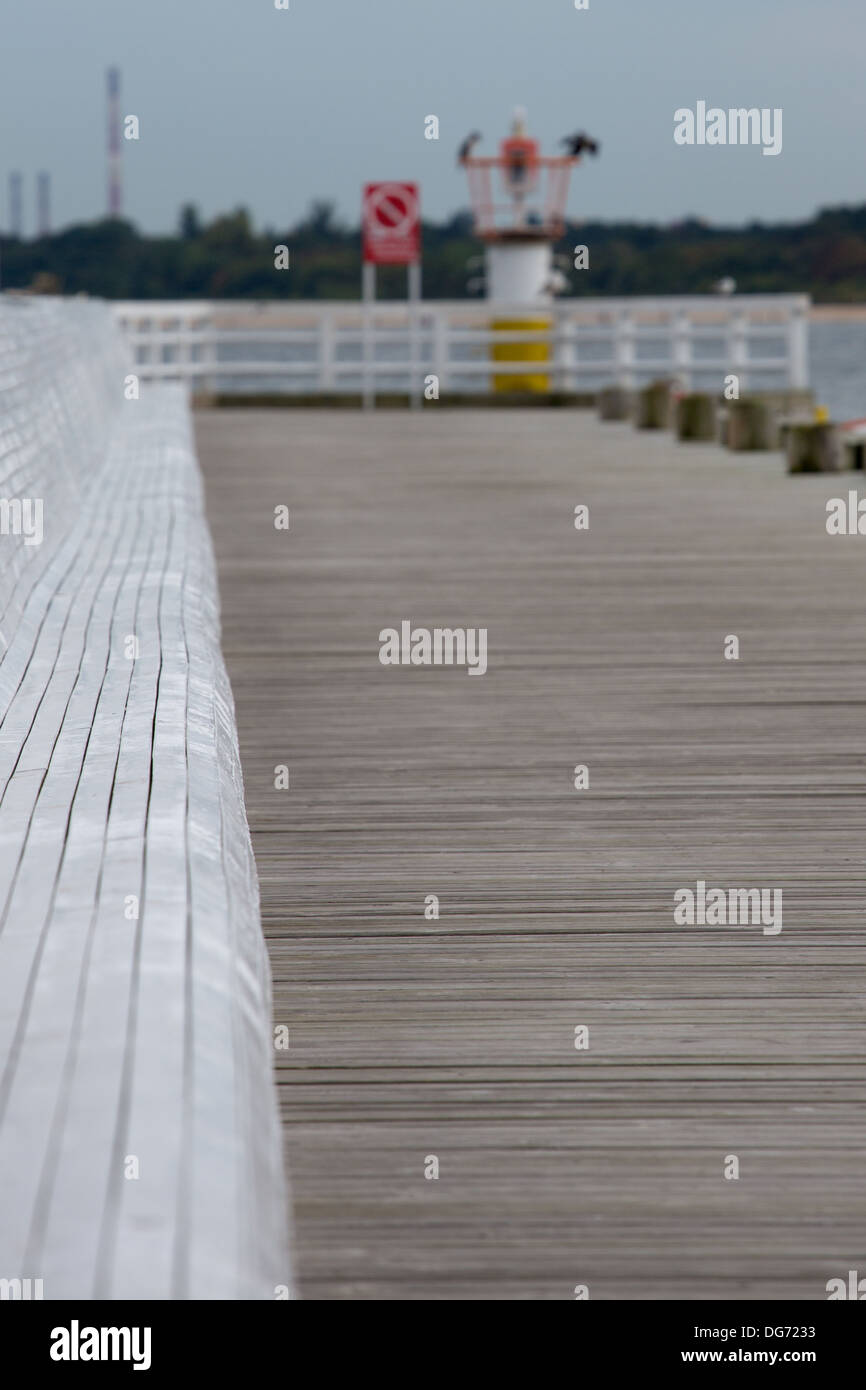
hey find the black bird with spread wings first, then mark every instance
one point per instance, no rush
(580, 142)
(467, 147)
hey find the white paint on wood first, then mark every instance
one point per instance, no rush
(120, 779)
(351, 348)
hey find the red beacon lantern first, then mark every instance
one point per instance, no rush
(520, 165)
(519, 194)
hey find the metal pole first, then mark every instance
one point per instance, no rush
(368, 295)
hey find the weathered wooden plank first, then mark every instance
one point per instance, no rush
(456, 1037)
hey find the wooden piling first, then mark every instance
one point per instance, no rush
(695, 416)
(813, 448)
(652, 407)
(751, 425)
(614, 403)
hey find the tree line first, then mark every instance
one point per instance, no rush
(228, 258)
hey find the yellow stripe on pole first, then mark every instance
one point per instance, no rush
(521, 352)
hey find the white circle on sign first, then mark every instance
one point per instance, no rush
(392, 210)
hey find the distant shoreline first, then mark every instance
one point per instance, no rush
(837, 313)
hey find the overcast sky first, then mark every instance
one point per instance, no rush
(240, 103)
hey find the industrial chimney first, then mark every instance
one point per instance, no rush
(43, 204)
(16, 205)
(115, 189)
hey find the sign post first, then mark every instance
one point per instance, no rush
(413, 275)
(368, 343)
(391, 235)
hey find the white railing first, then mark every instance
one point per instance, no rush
(120, 775)
(325, 348)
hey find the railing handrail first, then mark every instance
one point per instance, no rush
(195, 339)
(631, 304)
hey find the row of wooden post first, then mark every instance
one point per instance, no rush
(784, 420)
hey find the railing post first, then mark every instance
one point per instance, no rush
(185, 356)
(565, 355)
(798, 348)
(208, 352)
(145, 352)
(683, 348)
(183, 346)
(624, 345)
(738, 348)
(441, 343)
(327, 356)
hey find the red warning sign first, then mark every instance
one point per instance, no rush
(391, 223)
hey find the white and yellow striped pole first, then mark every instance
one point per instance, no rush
(519, 272)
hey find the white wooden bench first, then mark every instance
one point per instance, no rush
(139, 1141)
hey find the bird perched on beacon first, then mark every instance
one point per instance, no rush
(580, 142)
(467, 147)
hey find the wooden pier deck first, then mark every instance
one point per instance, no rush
(456, 1038)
